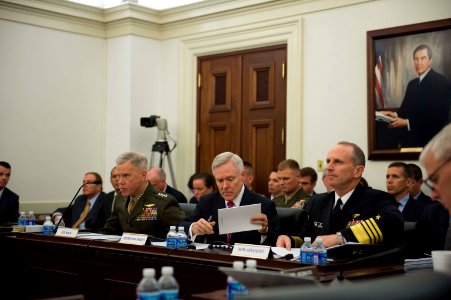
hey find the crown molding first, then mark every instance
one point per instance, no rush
(131, 18)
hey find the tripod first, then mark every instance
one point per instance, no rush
(162, 147)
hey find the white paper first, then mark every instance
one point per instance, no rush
(96, 236)
(282, 252)
(237, 219)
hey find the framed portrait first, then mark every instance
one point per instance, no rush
(409, 76)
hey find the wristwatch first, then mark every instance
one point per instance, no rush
(340, 238)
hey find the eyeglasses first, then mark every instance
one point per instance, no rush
(432, 179)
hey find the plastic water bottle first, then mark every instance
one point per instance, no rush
(48, 226)
(22, 219)
(319, 252)
(251, 265)
(182, 238)
(31, 218)
(171, 238)
(234, 288)
(307, 251)
(169, 288)
(148, 288)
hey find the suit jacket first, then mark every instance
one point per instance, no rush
(209, 205)
(426, 105)
(369, 216)
(413, 210)
(177, 195)
(9, 207)
(152, 215)
(424, 198)
(109, 199)
(97, 216)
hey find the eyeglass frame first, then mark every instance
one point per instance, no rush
(430, 180)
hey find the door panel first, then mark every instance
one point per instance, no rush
(242, 109)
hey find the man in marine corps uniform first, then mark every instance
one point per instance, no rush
(351, 213)
(144, 209)
(293, 194)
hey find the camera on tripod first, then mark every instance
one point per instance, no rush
(150, 121)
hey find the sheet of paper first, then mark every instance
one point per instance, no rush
(98, 237)
(237, 219)
(282, 252)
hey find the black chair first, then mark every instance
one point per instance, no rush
(188, 208)
(291, 220)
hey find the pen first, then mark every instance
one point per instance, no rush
(210, 218)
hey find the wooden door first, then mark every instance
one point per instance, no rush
(242, 109)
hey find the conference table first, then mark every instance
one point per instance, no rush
(35, 266)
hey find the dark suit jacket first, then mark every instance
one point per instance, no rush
(9, 207)
(424, 198)
(97, 216)
(371, 211)
(109, 198)
(413, 210)
(177, 195)
(426, 105)
(152, 215)
(209, 205)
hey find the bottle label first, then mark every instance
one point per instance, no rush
(149, 296)
(235, 290)
(169, 294)
(182, 243)
(171, 243)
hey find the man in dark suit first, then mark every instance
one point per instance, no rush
(415, 185)
(157, 177)
(229, 173)
(397, 179)
(425, 107)
(112, 196)
(9, 201)
(436, 158)
(351, 213)
(90, 210)
(143, 209)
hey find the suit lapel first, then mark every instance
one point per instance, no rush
(327, 211)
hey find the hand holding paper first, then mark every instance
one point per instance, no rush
(238, 219)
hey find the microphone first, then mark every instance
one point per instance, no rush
(97, 181)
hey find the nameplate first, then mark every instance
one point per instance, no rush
(66, 232)
(133, 238)
(251, 251)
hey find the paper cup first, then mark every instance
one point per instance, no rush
(441, 261)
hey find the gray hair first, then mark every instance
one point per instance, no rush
(422, 47)
(358, 157)
(224, 158)
(136, 159)
(439, 145)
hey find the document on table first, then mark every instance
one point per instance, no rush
(98, 236)
(237, 219)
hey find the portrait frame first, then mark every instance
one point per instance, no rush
(376, 39)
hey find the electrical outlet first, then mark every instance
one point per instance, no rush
(319, 165)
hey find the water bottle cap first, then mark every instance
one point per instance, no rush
(181, 228)
(251, 263)
(168, 270)
(319, 240)
(307, 239)
(47, 217)
(238, 265)
(149, 272)
(22, 213)
(171, 227)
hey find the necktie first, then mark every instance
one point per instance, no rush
(334, 218)
(132, 204)
(83, 214)
(229, 235)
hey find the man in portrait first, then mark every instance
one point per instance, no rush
(424, 110)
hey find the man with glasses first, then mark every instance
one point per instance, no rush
(436, 158)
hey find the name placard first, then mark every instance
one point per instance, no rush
(67, 232)
(251, 251)
(133, 238)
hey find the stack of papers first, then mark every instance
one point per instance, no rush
(98, 236)
(419, 263)
(381, 117)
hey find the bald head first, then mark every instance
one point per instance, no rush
(157, 177)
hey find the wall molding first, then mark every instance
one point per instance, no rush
(133, 19)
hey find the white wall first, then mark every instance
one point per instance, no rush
(52, 115)
(72, 103)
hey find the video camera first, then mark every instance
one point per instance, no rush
(150, 121)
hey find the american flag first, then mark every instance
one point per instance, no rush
(378, 84)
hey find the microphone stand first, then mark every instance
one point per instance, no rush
(73, 199)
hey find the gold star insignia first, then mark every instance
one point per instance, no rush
(378, 217)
